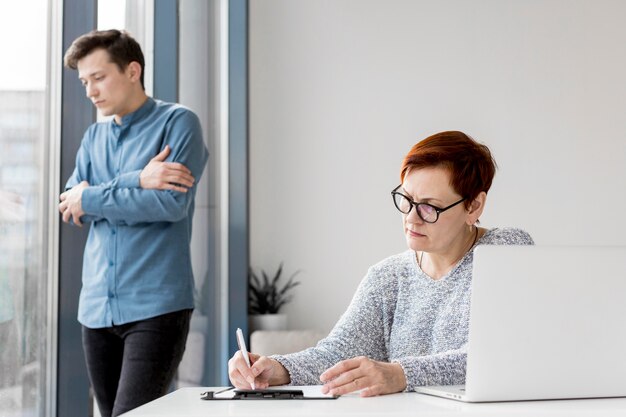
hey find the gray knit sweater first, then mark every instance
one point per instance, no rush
(399, 314)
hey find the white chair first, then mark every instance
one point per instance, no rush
(280, 342)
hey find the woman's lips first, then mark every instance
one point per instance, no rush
(414, 234)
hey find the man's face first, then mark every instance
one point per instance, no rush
(109, 89)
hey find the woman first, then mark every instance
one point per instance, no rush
(407, 324)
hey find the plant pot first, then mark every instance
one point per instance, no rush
(267, 322)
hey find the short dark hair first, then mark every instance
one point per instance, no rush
(470, 163)
(121, 47)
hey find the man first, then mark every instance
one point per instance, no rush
(135, 181)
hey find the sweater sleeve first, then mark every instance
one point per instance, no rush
(445, 368)
(359, 332)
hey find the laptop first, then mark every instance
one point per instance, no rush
(545, 323)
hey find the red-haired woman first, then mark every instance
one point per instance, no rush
(407, 324)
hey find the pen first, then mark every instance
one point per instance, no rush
(244, 351)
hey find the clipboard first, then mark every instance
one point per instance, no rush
(283, 392)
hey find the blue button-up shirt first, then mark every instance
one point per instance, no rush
(137, 261)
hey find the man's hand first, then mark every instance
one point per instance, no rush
(71, 203)
(361, 373)
(160, 175)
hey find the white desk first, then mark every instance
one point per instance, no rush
(186, 402)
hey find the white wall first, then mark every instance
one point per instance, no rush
(341, 89)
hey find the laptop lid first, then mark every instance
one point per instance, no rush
(547, 323)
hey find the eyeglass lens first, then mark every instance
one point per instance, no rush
(425, 211)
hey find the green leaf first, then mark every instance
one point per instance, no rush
(267, 296)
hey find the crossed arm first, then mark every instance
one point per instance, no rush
(156, 175)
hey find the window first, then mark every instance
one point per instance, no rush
(137, 17)
(24, 196)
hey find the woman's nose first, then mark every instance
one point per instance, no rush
(413, 217)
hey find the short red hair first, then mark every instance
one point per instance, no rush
(470, 163)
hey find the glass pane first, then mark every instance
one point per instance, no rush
(136, 17)
(23, 279)
(111, 14)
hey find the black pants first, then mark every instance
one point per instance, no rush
(132, 364)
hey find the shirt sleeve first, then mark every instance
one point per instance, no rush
(83, 160)
(359, 332)
(122, 200)
(126, 180)
(81, 172)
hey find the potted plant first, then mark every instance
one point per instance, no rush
(266, 297)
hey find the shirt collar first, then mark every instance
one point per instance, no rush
(137, 114)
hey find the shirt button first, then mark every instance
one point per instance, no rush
(112, 231)
(110, 263)
(111, 295)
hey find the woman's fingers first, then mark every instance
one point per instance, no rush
(243, 376)
(341, 367)
(238, 380)
(239, 372)
(263, 372)
(345, 377)
(347, 386)
(365, 375)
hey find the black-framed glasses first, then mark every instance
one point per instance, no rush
(426, 212)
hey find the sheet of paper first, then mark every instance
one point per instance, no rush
(307, 390)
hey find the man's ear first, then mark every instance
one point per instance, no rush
(476, 208)
(134, 71)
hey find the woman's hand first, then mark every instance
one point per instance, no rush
(263, 372)
(361, 373)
